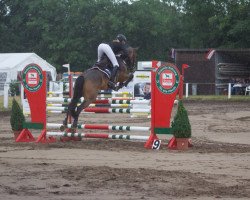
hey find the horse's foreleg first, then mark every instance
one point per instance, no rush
(125, 83)
(119, 86)
(65, 121)
(130, 78)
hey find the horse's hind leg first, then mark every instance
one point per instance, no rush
(83, 105)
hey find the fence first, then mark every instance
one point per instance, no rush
(228, 89)
(190, 89)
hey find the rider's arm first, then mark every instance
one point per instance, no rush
(118, 47)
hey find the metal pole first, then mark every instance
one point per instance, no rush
(6, 96)
(181, 87)
(186, 90)
(229, 90)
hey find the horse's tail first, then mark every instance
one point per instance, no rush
(78, 87)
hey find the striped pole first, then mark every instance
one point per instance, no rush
(61, 99)
(114, 110)
(101, 101)
(114, 101)
(114, 93)
(57, 93)
(92, 105)
(56, 111)
(111, 105)
(57, 105)
(98, 135)
(117, 98)
(101, 127)
(103, 110)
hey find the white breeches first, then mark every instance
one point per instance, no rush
(105, 48)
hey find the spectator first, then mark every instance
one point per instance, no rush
(138, 90)
(232, 81)
(238, 87)
(147, 91)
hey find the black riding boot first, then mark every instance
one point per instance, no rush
(111, 83)
(114, 72)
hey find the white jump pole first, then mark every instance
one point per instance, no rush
(50, 88)
(186, 90)
(6, 95)
(229, 90)
(61, 89)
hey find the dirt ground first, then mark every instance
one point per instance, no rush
(217, 166)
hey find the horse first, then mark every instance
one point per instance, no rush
(93, 80)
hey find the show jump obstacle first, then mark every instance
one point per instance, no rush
(34, 83)
(165, 82)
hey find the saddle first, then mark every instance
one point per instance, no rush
(106, 70)
(104, 65)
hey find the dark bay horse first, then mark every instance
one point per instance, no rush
(93, 80)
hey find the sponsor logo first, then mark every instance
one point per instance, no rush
(167, 79)
(32, 77)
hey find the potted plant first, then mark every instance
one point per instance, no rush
(181, 127)
(17, 118)
(14, 88)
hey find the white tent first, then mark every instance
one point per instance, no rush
(12, 63)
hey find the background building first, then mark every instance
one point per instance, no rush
(211, 70)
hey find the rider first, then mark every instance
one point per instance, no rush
(116, 46)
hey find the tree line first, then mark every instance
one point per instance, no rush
(69, 31)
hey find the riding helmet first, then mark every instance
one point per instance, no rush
(121, 38)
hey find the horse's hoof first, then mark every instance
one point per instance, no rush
(62, 128)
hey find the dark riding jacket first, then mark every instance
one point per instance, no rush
(119, 48)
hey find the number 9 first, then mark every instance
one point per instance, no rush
(156, 144)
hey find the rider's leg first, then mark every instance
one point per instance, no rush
(105, 48)
(100, 51)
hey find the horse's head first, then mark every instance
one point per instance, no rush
(131, 59)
